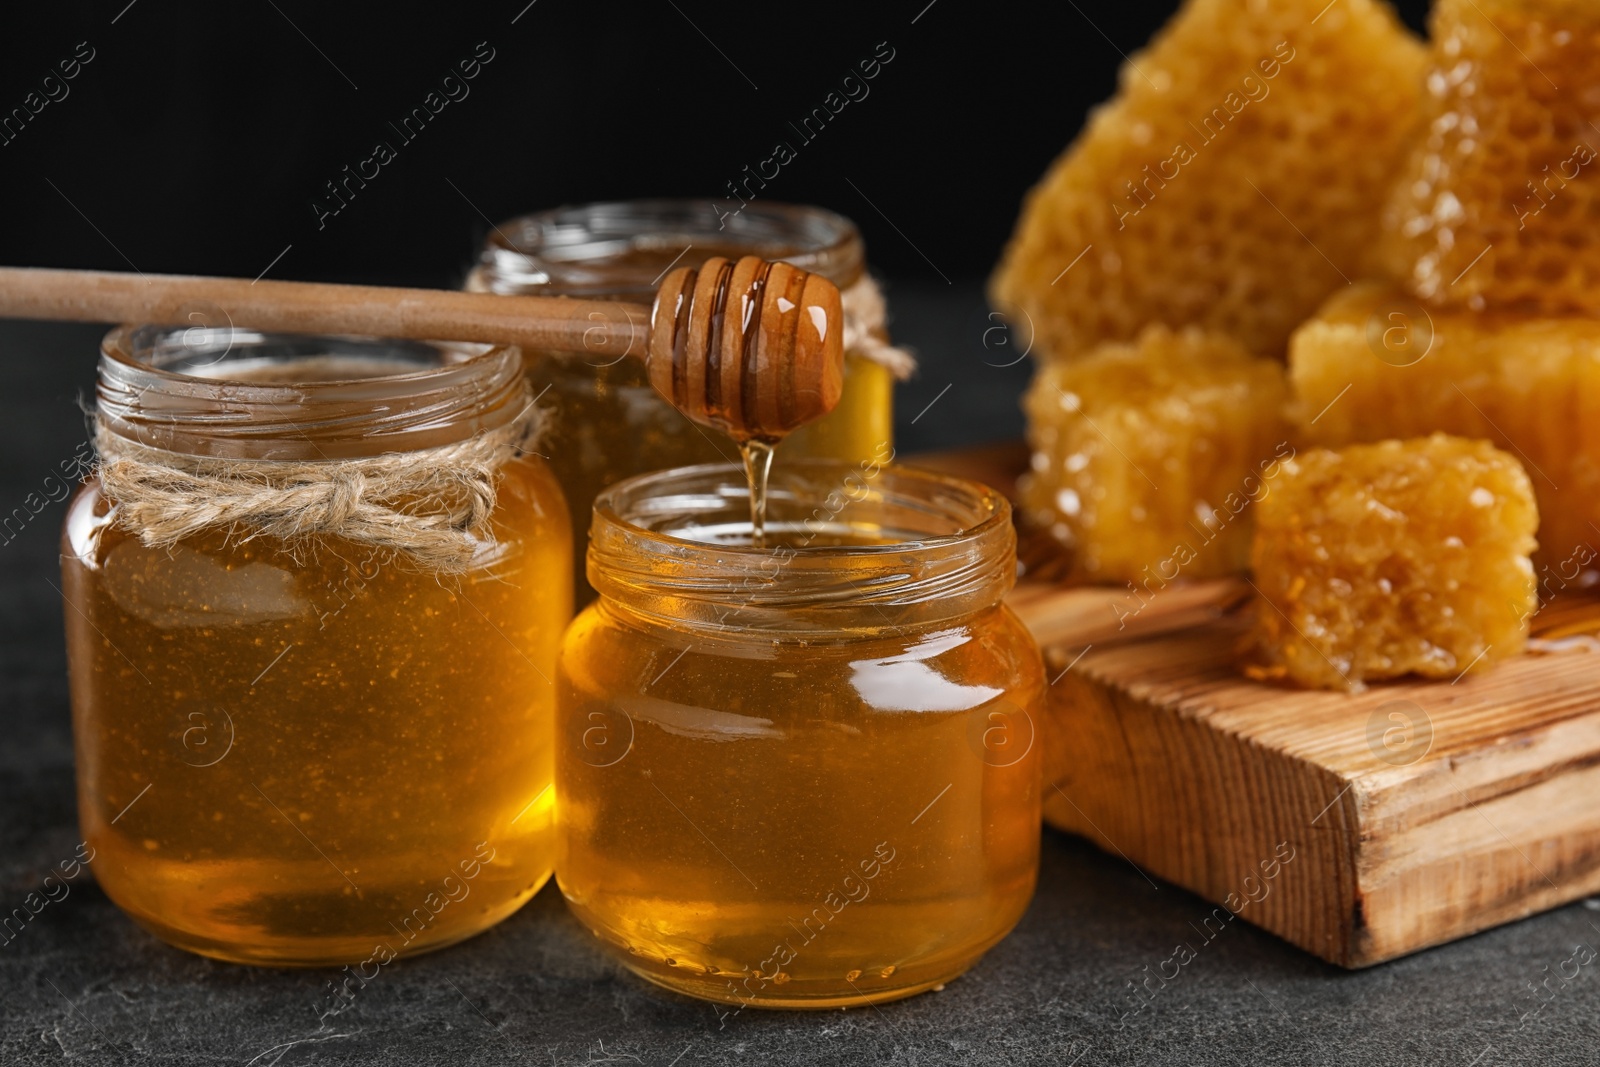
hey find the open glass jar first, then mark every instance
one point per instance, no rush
(802, 776)
(607, 421)
(317, 749)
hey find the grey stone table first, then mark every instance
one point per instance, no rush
(1075, 984)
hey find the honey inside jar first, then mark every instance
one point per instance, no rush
(321, 753)
(607, 421)
(802, 776)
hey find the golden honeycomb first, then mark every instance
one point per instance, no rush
(1235, 180)
(1499, 204)
(1374, 364)
(1149, 457)
(1400, 557)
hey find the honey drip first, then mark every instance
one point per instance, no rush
(757, 469)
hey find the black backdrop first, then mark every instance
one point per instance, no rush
(198, 137)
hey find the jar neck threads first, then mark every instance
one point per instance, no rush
(851, 548)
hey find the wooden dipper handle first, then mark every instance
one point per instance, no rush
(775, 366)
(753, 348)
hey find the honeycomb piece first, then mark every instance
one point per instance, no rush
(1234, 181)
(1373, 364)
(1499, 203)
(1147, 458)
(1400, 557)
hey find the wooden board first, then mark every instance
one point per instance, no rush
(1415, 812)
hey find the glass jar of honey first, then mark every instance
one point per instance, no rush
(312, 703)
(802, 776)
(607, 421)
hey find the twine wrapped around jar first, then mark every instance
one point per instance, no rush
(432, 505)
(866, 320)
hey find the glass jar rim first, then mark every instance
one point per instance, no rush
(574, 250)
(438, 393)
(945, 548)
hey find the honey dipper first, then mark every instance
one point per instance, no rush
(752, 348)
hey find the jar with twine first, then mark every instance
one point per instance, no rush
(395, 445)
(314, 592)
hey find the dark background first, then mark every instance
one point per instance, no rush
(200, 135)
(197, 138)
